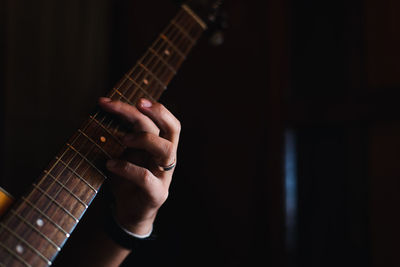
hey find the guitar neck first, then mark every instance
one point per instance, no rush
(35, 229)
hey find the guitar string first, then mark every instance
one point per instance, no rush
(81, 161)
(136, 89)
(42, 180)
(122, 82)
(159, 59)
(96, 129)
(159, 69)
(128, 75)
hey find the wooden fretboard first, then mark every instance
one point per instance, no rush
(35, 229)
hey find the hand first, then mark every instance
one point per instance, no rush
(139, 184)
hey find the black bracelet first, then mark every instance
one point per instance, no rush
(120, 237)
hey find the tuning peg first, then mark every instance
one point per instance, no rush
(217, 38)
(217, 31)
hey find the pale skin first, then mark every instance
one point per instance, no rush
(138, 183)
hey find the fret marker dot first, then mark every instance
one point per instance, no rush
(19, 249)
(145, 81)
(103, 139)
(39, 222)
(166, 52)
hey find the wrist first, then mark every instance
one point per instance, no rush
(125, 238)
(142, 228)
(138, 226)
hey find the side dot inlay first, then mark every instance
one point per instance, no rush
(39, 222)
(19, 249)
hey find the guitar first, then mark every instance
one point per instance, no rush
(34, 228)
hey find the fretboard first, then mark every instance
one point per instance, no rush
(38, 225)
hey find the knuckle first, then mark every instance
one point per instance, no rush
(178, 125)
(146, 137)
(125, 167)
(169, 149)
(117, 106)
(147, 177)
(158, 106)
(163, 112)
(164, 196)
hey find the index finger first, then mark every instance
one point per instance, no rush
(130, 113)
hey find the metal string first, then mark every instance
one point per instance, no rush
(92, 145)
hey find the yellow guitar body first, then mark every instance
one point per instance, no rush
(5, 201)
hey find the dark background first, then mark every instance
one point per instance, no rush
(298, 107)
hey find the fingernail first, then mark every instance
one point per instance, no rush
(145, 103)
(105, 99)
(111, 163)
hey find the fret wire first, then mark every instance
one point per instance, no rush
(133, 69)
(83, 157)
(136, 89)
(58, 193)
(94, 143)
(141, 70)
(26, 243)
(112, 93)
(37, 230)
(140, 88)
(15, 255)
(184, 32)
(161, 71)
(159, 68)
(46, 216)
(81, 178)
(163, 47)
(180, 42)
(123, 97)
(157, 64)
(144, 56)
(165, 38)
(172, 34)
(88, 161)
(162, 60)
(56, 202)
(179, 13)
(172, 40)
(173, 37)
(77, 174)
(144, 91)
(128, 74)
(106, 129)
(195, 17)
(195, 29)
(29, 195)
(66, 188)
(153, 75)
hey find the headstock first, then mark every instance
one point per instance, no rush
(206, 9)
(213, 15)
